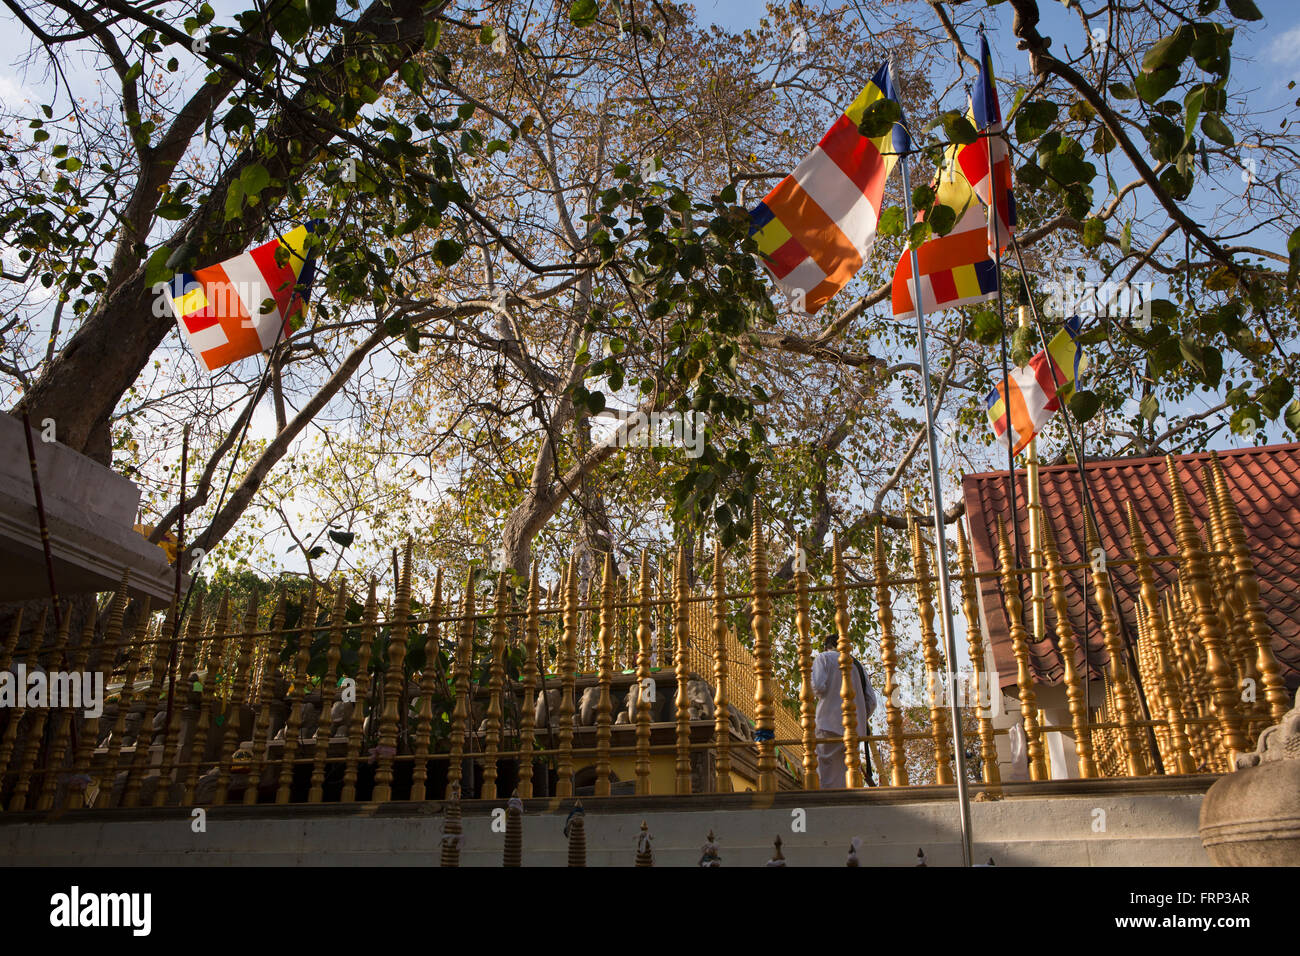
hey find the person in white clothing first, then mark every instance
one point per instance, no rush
(831, 771)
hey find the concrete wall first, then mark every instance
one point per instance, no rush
(1150, 822)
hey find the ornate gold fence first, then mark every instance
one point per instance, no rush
(547, 694)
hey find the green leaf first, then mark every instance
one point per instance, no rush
(1094, 231)
(918, 234)
(447, 252)
(1244, 10)
(1212, 48)
(322, 12)
(234, 200)
(1084, 405)
(582, 13)
(1034, 118)
(1293, 248)
(254, 178)
(879, 118)
(1126, 237)
(1193, 104)
(1023, 345)
(412, 338)
(922, 198)
(891, 221)
(1149, 408)
(1152, 86)
(1293, 417)
(1275, 396)
(941, 219)
(1170, 51)
(986, 328)
(1217, 130)
(1120, 91)
(342, 538)
(1177, 184)
(959, 129)
(156, 269)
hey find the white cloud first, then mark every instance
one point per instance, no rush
(13, 95)
(1285, 48)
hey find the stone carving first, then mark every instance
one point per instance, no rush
(739, 725)
(546, 712)
(660, 703)
(1279, 742)
(341, 717)
(699, 697)
(587, 706)
(710, 858)
(1251, 817)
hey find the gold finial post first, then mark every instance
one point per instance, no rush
(266, 694)
(172, 735)
(394, 685)
(114, 639)
(568, 665)
(889, 660)
(975, 642)
(1206, 620)
(362, 693)
(428, 684)
(238, 689)
(496, 679)
(293, 726)
(1130, 735)
(848, 704)
(604, 676)
(721, 705)
(462, 710)
(807, 699)
(1275, 692)
(1024, 678)
(939, 731)
(1166, 674)
(761, 623)
(527, 727)
(1074, 688)
(644, 683)
(682, 633)
(328, 687)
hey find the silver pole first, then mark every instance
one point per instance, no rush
(941, 544)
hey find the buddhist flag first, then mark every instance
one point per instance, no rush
(815, 228)
(955, 269)
(240, 307)
(987, 161)
(1037, 390)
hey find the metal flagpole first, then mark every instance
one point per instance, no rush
(941, 545)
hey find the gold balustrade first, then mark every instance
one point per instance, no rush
(657, 688)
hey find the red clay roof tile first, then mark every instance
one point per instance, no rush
(1265, 484)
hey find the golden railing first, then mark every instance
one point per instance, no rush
(521, 696)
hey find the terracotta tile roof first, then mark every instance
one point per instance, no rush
(1265, 484)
